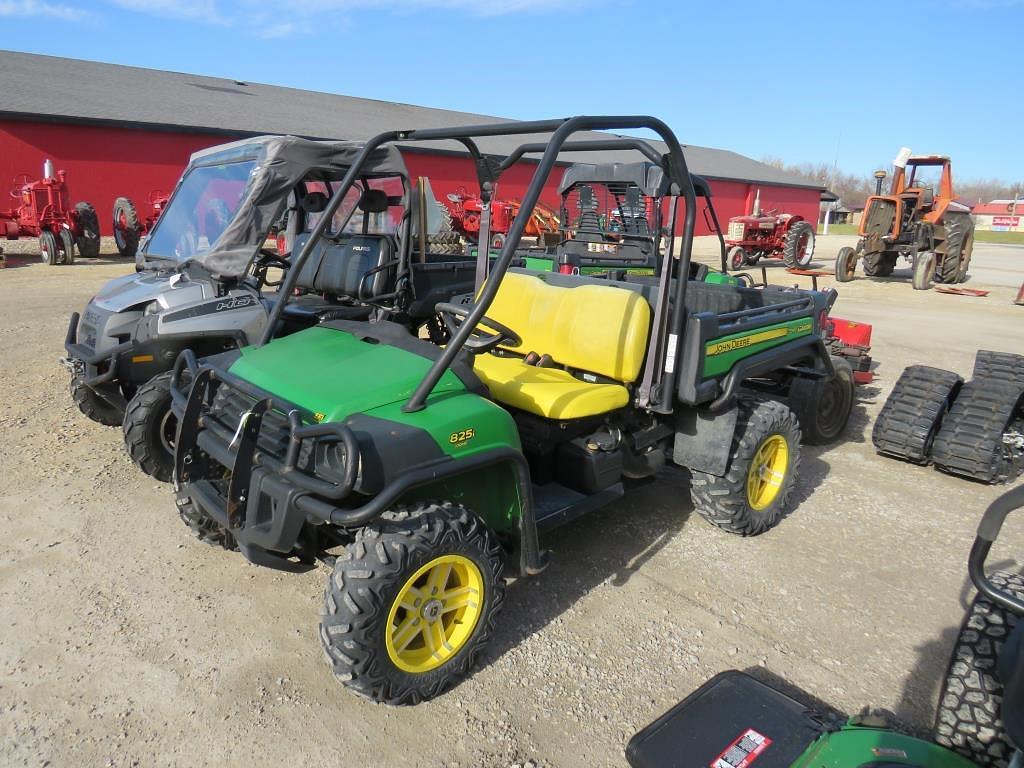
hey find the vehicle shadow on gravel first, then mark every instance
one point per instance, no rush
(611, 545)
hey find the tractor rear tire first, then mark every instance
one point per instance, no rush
(49, 251)
(89, 225)
(126, 227)
(999, 366)
(94, 406)
(66, 243)
(737, 258)
(798, 246)
(959, 247)
(764, 461)
(879, 264)
(149, 428)
(924, 271)
(203, 527)
(914, 412)
(846, 264)
(971, 442)
(445, 243)
(968, 719)
(823, 406)
(412, 603)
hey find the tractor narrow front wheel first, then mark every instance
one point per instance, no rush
(798, 248)
(924, 270)
(737, 258)
(846, 264)
(412, 603)
(49, 252)
(66, 243)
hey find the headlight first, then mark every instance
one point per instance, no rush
(331, 462)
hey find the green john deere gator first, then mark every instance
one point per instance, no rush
(426, 473)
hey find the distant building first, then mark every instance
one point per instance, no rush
(1000, 216)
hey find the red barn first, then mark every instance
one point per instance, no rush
(126, 131)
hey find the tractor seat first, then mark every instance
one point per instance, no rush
(596, 335)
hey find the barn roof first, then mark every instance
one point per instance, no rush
(38, 87)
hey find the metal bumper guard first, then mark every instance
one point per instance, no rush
(296, 496)
(81, 354)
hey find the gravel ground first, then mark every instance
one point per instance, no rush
(124, 642)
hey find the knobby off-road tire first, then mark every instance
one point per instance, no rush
(914, 412)
(368, 627)
(959, 246)
(791, 251)
(94, 406)
(89, 241)
(879, 264)
(149, 427)
(846, 264)
(999, 366)
(970, 443)
(126, 227)
(732, 502)
(203, 527)
(924, 271)
(968, 718)
(823, 406)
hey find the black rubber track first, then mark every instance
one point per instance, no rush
(366, 580)
(914, 411)
(999, 366)
(879, 264)
(958, 230)
(94, 406)
(968, 717)
(970, 442)
(203, 527)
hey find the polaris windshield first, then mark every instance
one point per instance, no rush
(202, 207)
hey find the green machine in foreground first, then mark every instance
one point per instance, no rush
(736, 721)
(425, 472)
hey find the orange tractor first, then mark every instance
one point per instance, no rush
(919, 220)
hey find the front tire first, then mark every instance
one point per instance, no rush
(149, 428)
(846, 264)
(823, 406)
(763, 463)
(412, 603)
(737, 258)
(798, 247)
(203, 527)
(67, 246)
(968, 719)
(924, 271)
(94, 406)
(48, 250)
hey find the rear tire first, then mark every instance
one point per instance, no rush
(879, 264)
(66, 242)
(434, 570)
(94, 406)
(798, 247)
(126, 227)
(823, 406)
(846, 264)
(89, 225)
(968, 719)
(958, 250)
(48, 249)
(149, 428)
(764, 460)
(924, 271)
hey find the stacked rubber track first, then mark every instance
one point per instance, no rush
(963, 429)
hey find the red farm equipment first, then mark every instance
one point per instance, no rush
(466, 211)
(129, 227)
(44, 211)
(769, 235)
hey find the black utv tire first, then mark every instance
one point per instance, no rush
(94, 406)
(793, 255)
(203, 527)
(149, 427)
(914, 411)
(725, 501)
(48, 249)
(126, 227)
(823, 406)
(968, 719)
(879, 264)
(387, 562)
(958, 250)
(66, 243)
(89, 224)
(846, 264)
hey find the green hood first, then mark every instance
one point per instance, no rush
(334, 374)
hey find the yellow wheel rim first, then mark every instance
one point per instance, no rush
(434, 614)
(767, 472)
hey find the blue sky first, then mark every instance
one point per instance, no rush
(804, 81)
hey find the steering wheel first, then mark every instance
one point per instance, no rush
(454, 315)
(266, 259)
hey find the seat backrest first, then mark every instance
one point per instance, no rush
(595, 328)
(308, 272)
(346, 262)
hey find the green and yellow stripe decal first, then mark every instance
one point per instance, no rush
(721, 354)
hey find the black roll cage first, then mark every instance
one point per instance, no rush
(663, 349)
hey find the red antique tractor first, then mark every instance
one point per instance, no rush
(466, 211)
(44, 211)
(769, 235)
(129, 228)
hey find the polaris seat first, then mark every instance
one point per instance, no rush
(596, 335)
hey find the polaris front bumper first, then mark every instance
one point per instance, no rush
(97, 369)
(268, 500)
